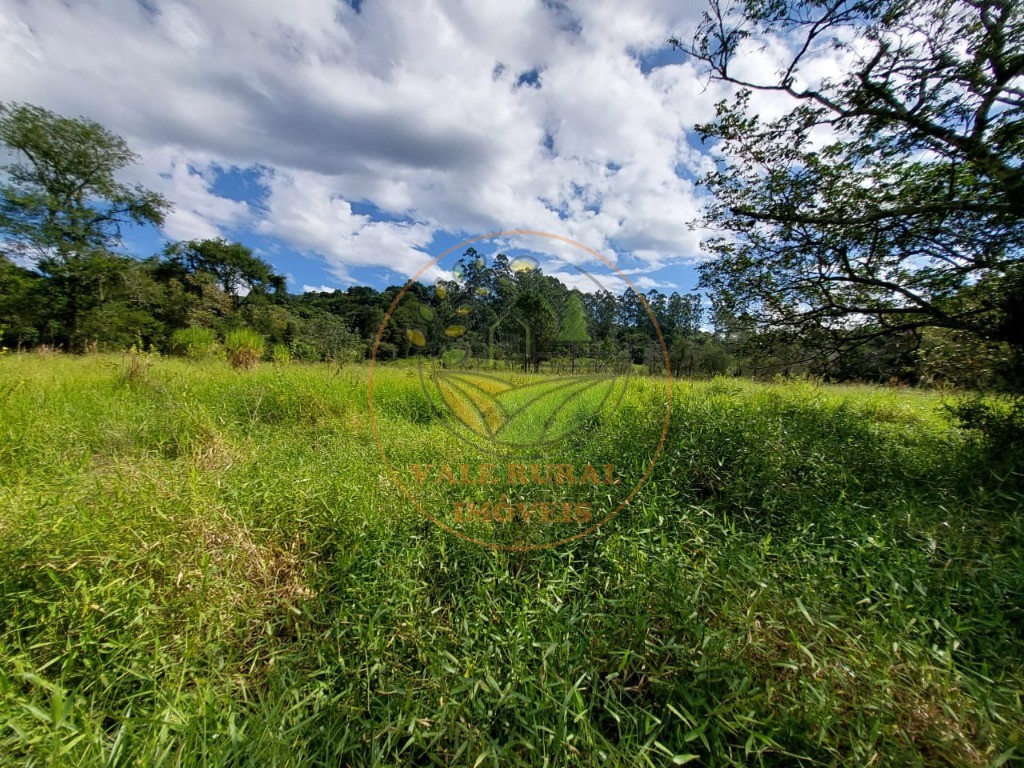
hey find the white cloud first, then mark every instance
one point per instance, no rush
(198, 212)
(413, 107)
(616, 283)
(305, 210)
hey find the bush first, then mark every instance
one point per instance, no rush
(279, 353)
(193, 342)
(453, 358)
(244, 347)
(305, 352)
(999, 423)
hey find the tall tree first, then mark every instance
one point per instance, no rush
(536, 325)
(62, 205)
(883, 202)
(61, 197)
(573, 328)
(233, 266)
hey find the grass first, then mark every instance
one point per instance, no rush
(209, 566)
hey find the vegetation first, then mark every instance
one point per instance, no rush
(886, 201)
(62, 200)
(203, 569)
(193, 342)
(209, 566)
(63, 284)
(244, 348)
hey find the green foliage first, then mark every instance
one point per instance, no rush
(244, 348)
(20, 310)
(999, 422)
(330, 338)
(453, 358)
(304, 351)
(232, 265)
(61, 197)
(203, 569)
(572, 327)
(887, 200)
(193, 342)
(280, 354)
(535, 324)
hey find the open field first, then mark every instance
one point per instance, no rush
(203, 566)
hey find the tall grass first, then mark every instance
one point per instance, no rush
(208, 569)
(193, 342)
(244, 348)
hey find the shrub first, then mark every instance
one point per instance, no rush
(453, 358)
(193, 342)
(244, 348)
(305, 352)
(999, 423)
(279, 353)
(136, 367)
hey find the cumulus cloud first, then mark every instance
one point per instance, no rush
(443, 116)
(615, 282)
(198, 212)
(306, 210)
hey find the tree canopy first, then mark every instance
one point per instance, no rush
(884, 202)
(232, 265)
(60, 197)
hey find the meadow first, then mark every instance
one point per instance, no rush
(209, 566)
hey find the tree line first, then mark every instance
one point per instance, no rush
(64, 285)
(873, 232)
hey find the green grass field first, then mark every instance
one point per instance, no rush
(203, 566)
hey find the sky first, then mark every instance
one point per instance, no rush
(354, 142)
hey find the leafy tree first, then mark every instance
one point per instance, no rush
(190, 299)
(684, 314)
(573, 330)
(327, 337)
(601, 308)
(20, 313)
(233, 266)
(61, 197)
(101, 299)
(536, 325)
(884, 202)
(62, 205)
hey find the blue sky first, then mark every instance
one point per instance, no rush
(308, 270)
(351, 143)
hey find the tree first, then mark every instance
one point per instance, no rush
(536, 324)
(61, 197)
(62, 206)
(882, 203)
(20, 313)
(233, 266)
(684, 314)
(573, 330)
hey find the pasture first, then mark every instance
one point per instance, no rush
(202, 565)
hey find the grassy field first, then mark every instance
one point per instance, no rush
(203, 566)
